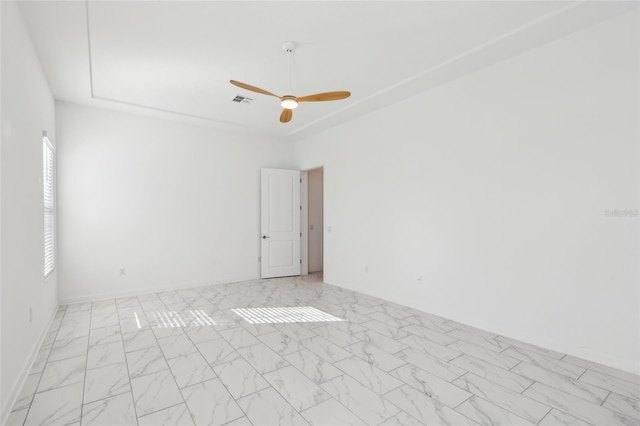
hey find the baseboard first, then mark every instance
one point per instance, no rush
(558, 346)
(147, 290)
(26, 369)
(590, 355)
(553, 344)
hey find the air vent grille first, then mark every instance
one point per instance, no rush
(242, 99)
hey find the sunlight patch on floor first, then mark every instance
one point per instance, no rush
(191, 318)
(283, 315)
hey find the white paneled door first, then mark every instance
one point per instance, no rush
(280, 223)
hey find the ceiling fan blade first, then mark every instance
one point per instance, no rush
(286, 115)
(251, 88)
(328, 96)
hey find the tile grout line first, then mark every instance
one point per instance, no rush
(484, 396)
(261, 375)
(275, 295)
(605, 398)
(336, 400)
(435, 401)
(582, 374)
(86, 363)
(545, 416)
(533, 382)
(568, 378)
(167, 362)
(489, 402)
(218, 377)
(162, 409)
(380, 395)
(126, 361)
(297, 369)
(45, 365)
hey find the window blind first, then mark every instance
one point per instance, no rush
(49, 205)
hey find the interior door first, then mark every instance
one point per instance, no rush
(280, 223)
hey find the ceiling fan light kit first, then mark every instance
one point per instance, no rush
(290, 102)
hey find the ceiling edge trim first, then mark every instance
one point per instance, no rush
(455, 58)
(217, 123)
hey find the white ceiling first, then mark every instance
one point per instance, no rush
(174, 59)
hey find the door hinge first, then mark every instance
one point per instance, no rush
(301, 261)
(301, 234)
(300, 180)
(300, 207)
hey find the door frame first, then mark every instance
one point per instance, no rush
(304, 218)
(304, 222)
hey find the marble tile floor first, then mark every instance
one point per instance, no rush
(298, 351)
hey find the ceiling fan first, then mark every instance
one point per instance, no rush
(290, 102)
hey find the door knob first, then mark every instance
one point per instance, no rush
(264, 237)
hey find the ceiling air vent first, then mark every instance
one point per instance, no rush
(242, 99)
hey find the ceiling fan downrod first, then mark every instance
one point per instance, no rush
(289, 101)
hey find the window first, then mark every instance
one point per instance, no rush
(48, 175)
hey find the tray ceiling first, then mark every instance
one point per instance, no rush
(174, 59)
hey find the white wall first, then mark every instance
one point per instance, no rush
(27, 110)
(315, 220)
(173, 204)
(493, 189)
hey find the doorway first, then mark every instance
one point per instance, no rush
(315, 219)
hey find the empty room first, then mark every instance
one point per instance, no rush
(319, 212)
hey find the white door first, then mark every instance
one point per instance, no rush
(280, 223)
